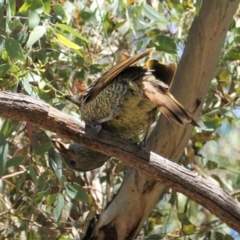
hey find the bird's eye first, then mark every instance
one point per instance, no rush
(73, 163)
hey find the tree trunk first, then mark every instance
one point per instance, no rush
(126, 214)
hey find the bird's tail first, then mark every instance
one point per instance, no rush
(164, 72)
(166, 103)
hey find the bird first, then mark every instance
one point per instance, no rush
(125, 100)
(78, 157)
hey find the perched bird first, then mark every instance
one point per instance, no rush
(78, 157)
(125, 99)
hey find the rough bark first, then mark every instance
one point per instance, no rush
(161, 170)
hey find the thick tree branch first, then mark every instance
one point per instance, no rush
(24, 108)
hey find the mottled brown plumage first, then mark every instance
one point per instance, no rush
(124, 100)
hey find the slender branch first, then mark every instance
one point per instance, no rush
(24, 108)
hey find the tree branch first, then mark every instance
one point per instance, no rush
(24, 108)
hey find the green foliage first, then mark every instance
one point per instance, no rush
(50, 49)
(75, 191)
(3, 154)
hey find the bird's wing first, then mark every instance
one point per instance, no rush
(108, 76)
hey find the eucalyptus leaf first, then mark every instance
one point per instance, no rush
(72, 31)
(43, 148)
(35, 35)
(67, 42)
(14, 49)
(58, 206)
(3, 154)
(152, 14)
(36, 4)
(165, 44)
(75, 191)
(33, 174)
(46, 6)
(15, 161)
(60, 12)
(4, 69)
(34, 19)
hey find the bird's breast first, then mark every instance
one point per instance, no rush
(132, 119)
(123, 99)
